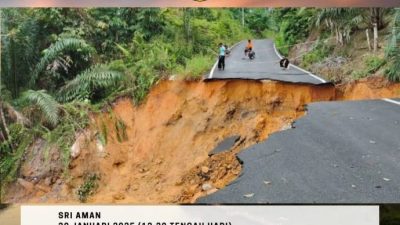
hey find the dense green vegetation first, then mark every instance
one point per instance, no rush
(393, 49)
(59, 64)
(55, 49)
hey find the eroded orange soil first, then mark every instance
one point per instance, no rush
(158, 152)
(370, 88)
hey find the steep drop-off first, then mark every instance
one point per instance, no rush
(159, 151)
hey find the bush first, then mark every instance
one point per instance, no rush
(392, 73)
(374, 63)
(88, 187)
(12, 152)
(295, 27)
(281, 45)
(318, 54)
(197, 67)
(75, 118)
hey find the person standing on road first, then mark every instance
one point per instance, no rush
(221, 57)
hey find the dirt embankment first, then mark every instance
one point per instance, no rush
(159, 152)
(369, 88)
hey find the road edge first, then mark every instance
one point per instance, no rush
(301, 69)
(391, 101)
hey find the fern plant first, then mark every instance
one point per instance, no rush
(48, 106)
(53, 53)
(83, 85)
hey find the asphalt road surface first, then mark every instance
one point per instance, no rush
(340, 152)
(264, 66)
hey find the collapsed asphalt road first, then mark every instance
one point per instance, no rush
(340, 152)
(264, 67)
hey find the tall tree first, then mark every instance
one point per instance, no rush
(341, 21)
(376, 17)
(4, 133)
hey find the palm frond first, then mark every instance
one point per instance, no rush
(82, 86)
(46, 103)
(53, 52)
(73, 90)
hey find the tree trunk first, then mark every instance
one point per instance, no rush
(341, 42)
(2, 138)
(337, 36)
(375, 37)
(243, 17)
(377, 17)
(186, 23)
(368, 41)
(14, 68)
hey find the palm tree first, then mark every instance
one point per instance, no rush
(54, 59)
(46, 104)
(376, 17)
(86, 83)
(340, 21)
